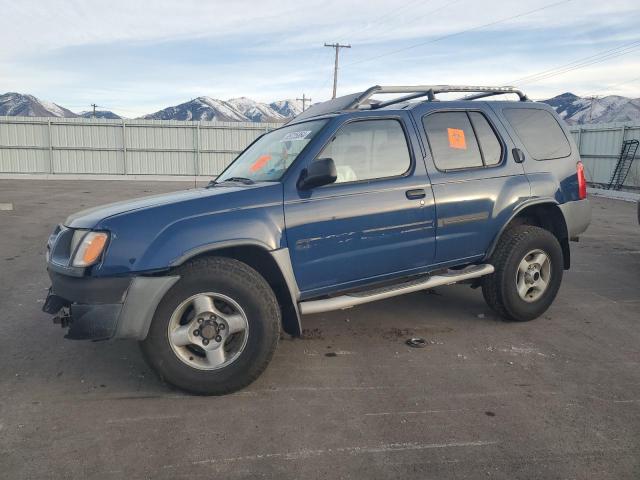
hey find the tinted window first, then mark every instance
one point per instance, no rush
(369, 149)
(452, 141)
(539, 132)
(489, 143)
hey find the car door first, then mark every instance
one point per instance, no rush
(375, 222)
(476, 182)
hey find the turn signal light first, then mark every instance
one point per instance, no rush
(90, 249)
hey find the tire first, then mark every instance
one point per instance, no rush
(524, 243)
(239, 297)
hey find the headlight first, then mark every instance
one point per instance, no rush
(90, 246)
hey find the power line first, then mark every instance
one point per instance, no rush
(337, 46)
(419, 17)
(386, 16)
(579, 63)
(611, 87)
(578, 67)
(454, 34)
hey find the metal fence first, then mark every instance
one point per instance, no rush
(170, 147)
(121, 147)
(600, 147)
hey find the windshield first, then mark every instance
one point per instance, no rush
(272, 154)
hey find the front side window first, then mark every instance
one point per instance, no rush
(271, 155)
(369, 149)
(540, 133)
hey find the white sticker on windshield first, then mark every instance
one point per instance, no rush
(291, 136)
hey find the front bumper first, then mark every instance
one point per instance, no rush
(104, 308)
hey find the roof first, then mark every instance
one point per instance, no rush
(363, 100)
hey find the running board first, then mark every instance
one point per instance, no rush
(353, 299)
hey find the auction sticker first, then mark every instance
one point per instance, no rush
(291, 136)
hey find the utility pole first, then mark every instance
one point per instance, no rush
(94, 110)
(593, 97)
(337, 46)
(304, 101)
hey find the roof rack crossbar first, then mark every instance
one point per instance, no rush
(430, 91)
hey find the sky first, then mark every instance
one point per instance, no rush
(136, 57)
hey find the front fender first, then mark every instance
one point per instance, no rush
(155, 238)
(189, 237)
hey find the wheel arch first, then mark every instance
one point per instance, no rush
(544, 213)
(273, 265)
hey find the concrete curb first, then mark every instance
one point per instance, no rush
(614, 194)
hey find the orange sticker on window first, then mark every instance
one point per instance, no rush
(260, 162)
(456, 138)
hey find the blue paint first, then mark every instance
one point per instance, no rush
(347, 235)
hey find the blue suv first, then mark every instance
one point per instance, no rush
(355, 200)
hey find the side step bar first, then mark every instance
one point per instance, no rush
(353, 299)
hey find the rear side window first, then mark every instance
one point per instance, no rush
(461, 140)
(452, 141)
(369, 149)
(489, 143)
(540, 133)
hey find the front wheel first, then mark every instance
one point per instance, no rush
(216, 330)
(528, 265)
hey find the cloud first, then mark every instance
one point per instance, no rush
(142, 56)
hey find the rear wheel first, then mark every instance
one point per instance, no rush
(216, 330)
(528, 272)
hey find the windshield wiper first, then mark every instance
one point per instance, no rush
(246, 181)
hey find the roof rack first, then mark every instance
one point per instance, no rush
(430, 92)
(362, 99)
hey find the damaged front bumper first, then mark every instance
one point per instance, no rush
(105, 308)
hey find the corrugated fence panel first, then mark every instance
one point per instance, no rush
(24, 160)
(213, 163)
(24, 134)
(140, 147)
(88, 161)
(160, 163)
(151, 137)
(170, 147)
(600, 147)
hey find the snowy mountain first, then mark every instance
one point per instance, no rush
(100, 114)
(241, 109)
(201, 108)
(13, 104)
(255, 111)
(287, 108)
(572, 108)
(579, 110)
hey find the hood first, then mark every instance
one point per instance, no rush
(91, 217)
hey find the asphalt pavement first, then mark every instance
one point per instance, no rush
(558, 397)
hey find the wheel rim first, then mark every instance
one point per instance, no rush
(533, 275)
(208, 331)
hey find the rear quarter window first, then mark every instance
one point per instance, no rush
(540, 133)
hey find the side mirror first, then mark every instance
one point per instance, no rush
(321, 171)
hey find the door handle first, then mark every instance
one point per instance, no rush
(416, 193)
(518, 155)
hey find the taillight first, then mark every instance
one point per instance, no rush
(582, 182)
